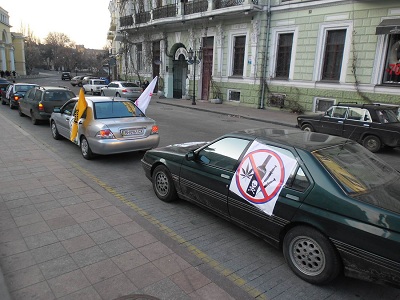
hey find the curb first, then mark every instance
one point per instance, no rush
(229, 114)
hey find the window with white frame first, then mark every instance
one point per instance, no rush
(333, 54)
(391, 72)
(283, 55)
(333, 51)
(239, 49)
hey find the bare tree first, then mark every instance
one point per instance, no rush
(32, 50)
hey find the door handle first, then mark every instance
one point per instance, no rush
(366, 125)
(293, 197)
(225, 176)
(341, 122)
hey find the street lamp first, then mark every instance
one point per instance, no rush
(193, 56)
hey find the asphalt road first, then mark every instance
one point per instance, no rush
(237, 253)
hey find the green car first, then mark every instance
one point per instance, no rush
(332, 206)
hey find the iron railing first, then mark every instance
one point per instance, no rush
(125, 21)
(165, 11)
(195, 6)
(142, 17)
(229, 3)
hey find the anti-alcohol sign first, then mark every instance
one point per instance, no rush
(261, 175)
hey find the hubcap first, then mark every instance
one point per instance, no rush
(307, 255)
(53, 129)
(84, 147)
(162, 184)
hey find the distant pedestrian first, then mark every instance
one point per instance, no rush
(14, 73)
(2, 73)
(145, 84)
(8, 73)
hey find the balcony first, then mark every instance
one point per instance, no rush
(195, 7)
(189, 10)
(142, 17)
(165, 11)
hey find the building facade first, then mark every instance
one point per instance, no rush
(12, 47)
(291, 54)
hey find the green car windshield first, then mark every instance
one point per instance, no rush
(356, 169)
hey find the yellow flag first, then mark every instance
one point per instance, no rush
(79, 110)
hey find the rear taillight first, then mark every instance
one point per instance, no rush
(154, 129)
(41, 107)
(124, 91)
(105, 134)
(16, 98)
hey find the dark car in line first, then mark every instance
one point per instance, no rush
(66, 76)
(39, 102)
(332, 206)
(15, 92)
(372, 125)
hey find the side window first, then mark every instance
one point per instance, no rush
(38, 96)
(298, 180)
(223, 153)
(356, 114)
(69, 108)
(339, 112)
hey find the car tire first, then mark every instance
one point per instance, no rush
(307, 127)
(85, 149)
(20, 112)
(163, 184)
(3, 102)
(372, 143)
(54, 131)
(102, 93)
(93, 93)
(311, 255)
(11, 105)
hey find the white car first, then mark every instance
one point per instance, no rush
(94, 86)
(124, 89)
(108, 126)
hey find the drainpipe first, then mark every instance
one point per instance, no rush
(265, 64)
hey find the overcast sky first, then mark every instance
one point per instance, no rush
(86, 22)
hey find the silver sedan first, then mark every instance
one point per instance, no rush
(124, 89)
(107, 126)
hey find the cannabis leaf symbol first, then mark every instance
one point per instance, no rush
(248, 173)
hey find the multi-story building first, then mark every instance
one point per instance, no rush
(12, 50)
(294, 54)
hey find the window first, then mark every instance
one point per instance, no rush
(391, 74)
(336, 112)
(238, 55)
(333, 56)
(284, 55)
(298, 180)
(139, 57)
(223, 153)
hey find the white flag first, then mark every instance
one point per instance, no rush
(144, 100)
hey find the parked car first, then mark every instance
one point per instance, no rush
(77, 80)
(39, 102)
(86, 79)
(124, 89)
(372, 125)
(4, 82)
(15, 92)
(331, 205)
(108, 126)
(66, 76)
(94, 86)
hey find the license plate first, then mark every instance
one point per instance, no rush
(132, 131)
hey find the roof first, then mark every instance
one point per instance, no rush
(369, 106)
(296, 138)
(54, 88)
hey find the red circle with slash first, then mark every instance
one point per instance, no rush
(251, 158)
